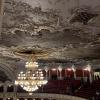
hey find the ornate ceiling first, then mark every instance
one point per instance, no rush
(68, 30)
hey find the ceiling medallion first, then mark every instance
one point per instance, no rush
(25, 52)
(33, 78)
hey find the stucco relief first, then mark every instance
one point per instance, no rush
(68, 27)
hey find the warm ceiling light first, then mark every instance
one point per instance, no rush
(53, 69)
(69, 69)
(88, 68)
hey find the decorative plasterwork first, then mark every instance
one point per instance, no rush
(34, 26)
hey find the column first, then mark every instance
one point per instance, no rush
(60, 70)
(88, 68)
(83, 73)
(90, 77)
(46, 74)
(5, 88)
(5, 91)
(90, 73)
(65, 73)
(1, 14)
(15, 88)
(15, 91)
(74, 74)
(49, 74)
(74, 71)
(46, 70)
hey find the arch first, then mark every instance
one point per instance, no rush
(7, 70)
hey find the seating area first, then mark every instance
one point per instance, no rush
(59, 86)
(90, 91)
(68, 86)
(53, 86)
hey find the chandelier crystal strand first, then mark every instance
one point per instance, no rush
(32, 78)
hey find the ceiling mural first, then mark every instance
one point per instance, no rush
(69, 30)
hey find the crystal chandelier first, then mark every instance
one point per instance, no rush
(32, 78)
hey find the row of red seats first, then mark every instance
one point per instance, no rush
(58, 86)
(89, 90)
